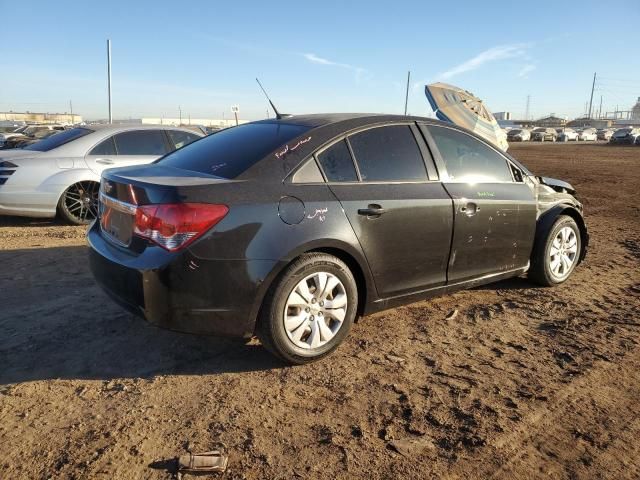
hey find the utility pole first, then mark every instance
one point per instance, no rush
(526, 112)
(593, 86)
(180, 110)
(71, 110)
(109, 77)
(406, 97)
(600, 109)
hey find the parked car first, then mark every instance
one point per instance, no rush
(625, 136)
(31, 132)
(587, 135)
(61, 174)
(14, 133)
(542, 134)
(291, 228)
(9, 126)
(637, 142)
(518, 135)
(567, 134)
(604, 133)
(21, 142)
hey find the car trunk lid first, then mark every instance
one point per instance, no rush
(157, 204)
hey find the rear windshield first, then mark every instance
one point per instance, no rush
(230, 152)
(515, 132)
(58, 139)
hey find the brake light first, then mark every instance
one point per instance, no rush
(174, 226)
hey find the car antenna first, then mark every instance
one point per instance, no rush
(279, 115)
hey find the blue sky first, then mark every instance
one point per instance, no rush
(315, 56)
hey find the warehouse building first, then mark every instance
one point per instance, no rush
(34, 117)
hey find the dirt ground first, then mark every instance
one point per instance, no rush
(523, 382)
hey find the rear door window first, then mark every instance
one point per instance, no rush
(141, 142)
(388, 153)
(308, 173)
(337, 163)
(468, 159)
(180, 138)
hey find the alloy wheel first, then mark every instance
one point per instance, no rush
(315, 310)
(563, 253)
(81, 201)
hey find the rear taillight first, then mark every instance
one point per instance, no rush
(174, 226)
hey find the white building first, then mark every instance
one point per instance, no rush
(635, 111)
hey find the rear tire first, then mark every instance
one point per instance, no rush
(309, 309)
(554, 259)
(78, 204)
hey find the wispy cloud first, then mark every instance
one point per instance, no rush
(526, 70)
(313, 58)
(493, 54)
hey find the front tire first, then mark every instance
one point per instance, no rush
(78, 204)
(309, 310)
(554, 259)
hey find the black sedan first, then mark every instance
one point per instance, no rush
(290, 228)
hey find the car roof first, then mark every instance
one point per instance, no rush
(81, 145)
(323, 128)
(323, 119)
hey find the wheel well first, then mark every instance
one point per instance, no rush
(355, 268)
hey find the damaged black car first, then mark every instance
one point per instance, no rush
(291, 228)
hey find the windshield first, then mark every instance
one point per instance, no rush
(230, 152)
(540, 129)
(58, 139)
(514, 132)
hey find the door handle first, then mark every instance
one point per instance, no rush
(104, 161)
(470, 209)
(372, 210)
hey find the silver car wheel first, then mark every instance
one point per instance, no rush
(563, 253)
(315, 310)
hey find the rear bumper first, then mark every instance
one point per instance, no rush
(180, 291)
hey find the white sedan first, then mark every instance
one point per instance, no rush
(567, 134)
(61, 174)
(588, 135)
